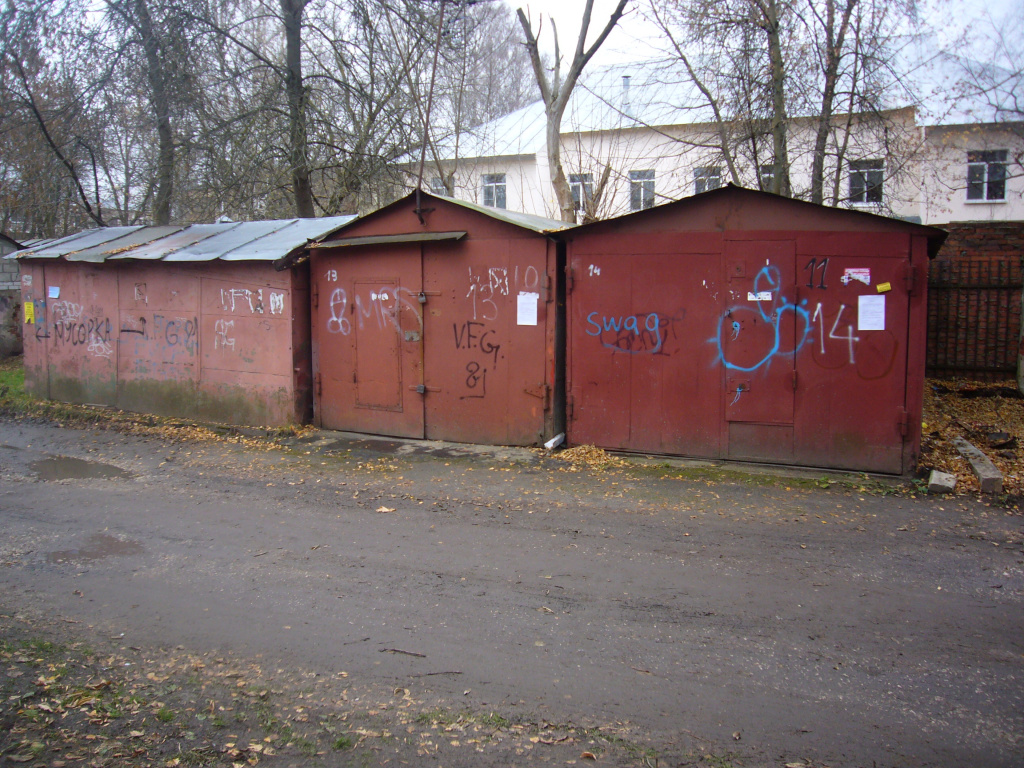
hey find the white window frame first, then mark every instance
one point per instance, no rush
(581, 185)
(494, 190)
(867, 176)
(641, 190)
(707, 178)
(988, 166)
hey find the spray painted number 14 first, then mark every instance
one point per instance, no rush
(819, 316)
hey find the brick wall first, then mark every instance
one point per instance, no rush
(9, 280)
(974, 301)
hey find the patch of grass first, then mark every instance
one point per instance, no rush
(304, 745)
(436, 717)
(198, 756)
(491, 720)
(41, 647)
(164, 715)
(342, 743)
(12, 382)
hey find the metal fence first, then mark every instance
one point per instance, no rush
(974, 316)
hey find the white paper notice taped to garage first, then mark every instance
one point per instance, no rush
(871, 313)
(526, 307)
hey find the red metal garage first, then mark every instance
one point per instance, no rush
(435, 318)
(180, 321)
(737, 324)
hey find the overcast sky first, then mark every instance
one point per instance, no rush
(635, 37)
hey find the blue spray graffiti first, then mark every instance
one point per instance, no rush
(771, 311)
(651, 341)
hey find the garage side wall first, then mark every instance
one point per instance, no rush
(211, 341)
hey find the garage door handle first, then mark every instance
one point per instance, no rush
(422, 389)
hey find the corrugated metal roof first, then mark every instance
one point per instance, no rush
(121, 245)
(239, 241)
(287, 238)
(165, 246)
(74, 243)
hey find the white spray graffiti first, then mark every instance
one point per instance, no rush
(221, 340)
(276, 303)
(383, 304)
(230, 298)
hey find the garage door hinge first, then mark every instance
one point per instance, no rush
(317, 385)
(903, 421)
(794, 380)
(540, 391)
(316, 299)
(568, 280)
(570, 406)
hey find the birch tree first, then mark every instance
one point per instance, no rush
(556, 90)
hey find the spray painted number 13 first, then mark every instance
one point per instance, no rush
(815, 266)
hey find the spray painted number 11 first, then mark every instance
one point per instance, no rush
(815, 266)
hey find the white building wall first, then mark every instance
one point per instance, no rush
(925, 176)
(944, 173)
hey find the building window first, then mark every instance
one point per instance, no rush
(494, 189)
(641, 190)
(866, 181)
(582, 187)
(767, 177)
(437, 186)
(705, 179)
(986, 175)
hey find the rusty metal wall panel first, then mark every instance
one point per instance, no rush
(378, 345)
(246, 343)
(485, 347)
(80, 336)
(798, 342)
(852, 380)
(756, 338)
(368, 327)
(641, 377)
(212, 342)
(158, 338)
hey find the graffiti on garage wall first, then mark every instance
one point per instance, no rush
(72, 325)
(479, 332)
(830, 333)
(380, 305)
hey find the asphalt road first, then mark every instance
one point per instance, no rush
(775, 623)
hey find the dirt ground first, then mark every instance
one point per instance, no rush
(171, 596)
(990, 415)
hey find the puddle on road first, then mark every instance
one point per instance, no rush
(100, 545)
(68, 468)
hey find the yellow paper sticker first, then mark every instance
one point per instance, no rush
(30, 313)
(884, 287)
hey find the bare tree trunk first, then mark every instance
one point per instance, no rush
(779, 119)
(160, 99)
(556, 92)
(835, 40)
(291, 12)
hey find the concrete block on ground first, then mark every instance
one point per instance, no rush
(941, 482)
(990, 478)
